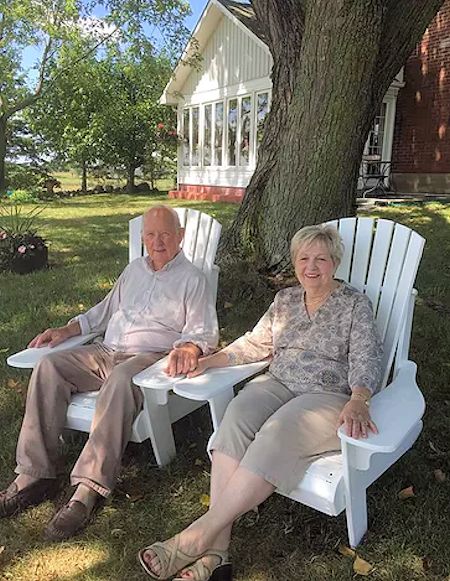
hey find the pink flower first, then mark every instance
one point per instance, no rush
(22, 249)
(160, 126)
(3, 235)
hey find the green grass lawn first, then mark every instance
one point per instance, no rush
(407, 540)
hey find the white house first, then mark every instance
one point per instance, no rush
(221, 107)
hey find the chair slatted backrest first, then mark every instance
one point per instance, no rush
(200, 242)
(381, 259)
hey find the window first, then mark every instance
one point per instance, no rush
(195, 136)
(262, 108)
(373, 150)
(207, 143)
(218, 133)
(186, 140)
(246, 111)
(232, 130)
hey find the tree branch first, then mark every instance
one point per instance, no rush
(279, 19)
(65, 69)
(403, 26)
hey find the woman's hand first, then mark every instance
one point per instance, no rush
(356, 418)
(202, 366)
(219, 359)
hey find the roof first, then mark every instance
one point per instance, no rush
(244, 12)
(244, 16)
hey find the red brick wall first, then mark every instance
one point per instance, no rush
(422, 132)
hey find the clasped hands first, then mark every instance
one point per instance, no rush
(182, 359)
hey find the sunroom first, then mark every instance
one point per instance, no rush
(221, 107)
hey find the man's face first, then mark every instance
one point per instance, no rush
(161, 236)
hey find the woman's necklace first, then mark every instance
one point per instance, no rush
(312, 304)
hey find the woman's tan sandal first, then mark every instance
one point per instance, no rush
(171, 558)
(201, 572)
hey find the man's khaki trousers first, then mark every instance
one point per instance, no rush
(53, 381)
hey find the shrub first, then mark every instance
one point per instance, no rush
(24, 196)
(23, 177)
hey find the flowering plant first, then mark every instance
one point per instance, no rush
(21, 249)
(167, 134)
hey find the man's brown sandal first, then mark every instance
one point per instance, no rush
(71, 519)
(14, 501)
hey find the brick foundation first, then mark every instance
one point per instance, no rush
(212, 193)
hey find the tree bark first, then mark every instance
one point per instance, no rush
(333, 62)
(130, 179)
(83, 176)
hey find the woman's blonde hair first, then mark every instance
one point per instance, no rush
(326, 234)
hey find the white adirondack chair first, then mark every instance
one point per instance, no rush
(161, 406)
(381, 259)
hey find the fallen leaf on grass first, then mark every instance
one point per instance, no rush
(439, 475)
(205, 500)
(13, 384)
(346, 551)
(2, 548)
(227, 305)
(406, 493)
(362, 567)
(198, 462)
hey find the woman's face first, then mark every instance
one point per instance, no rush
(314, 267)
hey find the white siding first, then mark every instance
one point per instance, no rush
(231, 57)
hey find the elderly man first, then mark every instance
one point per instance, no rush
(159, 304)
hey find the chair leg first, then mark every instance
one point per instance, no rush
(356, 513)
(159, 427)
(355, 497)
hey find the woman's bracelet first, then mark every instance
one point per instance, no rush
(364, 398)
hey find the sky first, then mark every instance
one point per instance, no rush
(197, 7)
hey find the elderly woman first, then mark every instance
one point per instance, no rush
(325, 365)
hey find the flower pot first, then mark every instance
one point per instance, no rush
(30, 261)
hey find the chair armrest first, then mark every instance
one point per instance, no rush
(154, 377)
(395, 411)
(28, 358)
(216, 381)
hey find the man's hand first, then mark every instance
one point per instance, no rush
(182, 359)
(52, 337)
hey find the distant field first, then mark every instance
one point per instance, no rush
(71, 180)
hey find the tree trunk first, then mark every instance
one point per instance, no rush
(2, 155)
(130, 179)
(83, 176)
(151, 172)
(329, 78)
